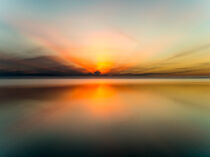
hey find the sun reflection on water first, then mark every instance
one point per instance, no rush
(110, 113)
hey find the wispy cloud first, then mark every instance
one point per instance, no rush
(114, 37)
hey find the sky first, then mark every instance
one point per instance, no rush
(145, 37)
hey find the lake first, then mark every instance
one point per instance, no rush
(104, 117)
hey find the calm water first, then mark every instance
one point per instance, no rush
(104, 117)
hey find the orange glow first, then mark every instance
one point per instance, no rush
(92, 92)
(94, 51)
(103, 67)
(98, 100)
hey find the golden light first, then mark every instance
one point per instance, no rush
(91, 51)
(97, 100)
(104, 49)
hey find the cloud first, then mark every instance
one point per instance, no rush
(189, 52)
(42, 65)
(129, 37)
(192, 62)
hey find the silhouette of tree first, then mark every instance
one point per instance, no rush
(97, 73)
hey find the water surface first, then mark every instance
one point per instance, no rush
(104, 117)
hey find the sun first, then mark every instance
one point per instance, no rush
(105, 49)
(102, 50)
(103, 66)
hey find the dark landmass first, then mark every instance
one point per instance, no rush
(52, 67)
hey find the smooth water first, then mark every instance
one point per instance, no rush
(104, 117)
